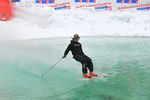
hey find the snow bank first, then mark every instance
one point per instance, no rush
(31, 22)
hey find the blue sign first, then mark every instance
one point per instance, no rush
(127, 1)
(37, 1)
(51, 1)
(62, 7)
(101, 7)
(119, 1)
(134, 1)
(91, 1)
(84, 0)
(43, 1)
(77, 0)
(15, 0)
(144, 8)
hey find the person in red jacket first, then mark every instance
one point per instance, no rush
(76, 48)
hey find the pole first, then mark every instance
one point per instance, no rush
(51, 67)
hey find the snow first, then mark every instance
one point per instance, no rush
(32, 22)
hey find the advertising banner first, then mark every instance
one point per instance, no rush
(100, 5)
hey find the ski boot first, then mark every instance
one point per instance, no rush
(93, 74)
(86, 75)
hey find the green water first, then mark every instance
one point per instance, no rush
(22, 63)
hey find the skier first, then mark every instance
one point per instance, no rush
(76, 48)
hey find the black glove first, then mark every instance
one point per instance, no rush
(64, 57)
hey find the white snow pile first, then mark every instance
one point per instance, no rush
(32, 22)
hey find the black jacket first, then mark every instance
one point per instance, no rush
(75, 47)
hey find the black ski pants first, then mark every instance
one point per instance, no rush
(85, 61)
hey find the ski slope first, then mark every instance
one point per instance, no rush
(23, 61)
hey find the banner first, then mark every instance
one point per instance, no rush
(99, 5)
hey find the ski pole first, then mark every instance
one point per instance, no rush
(51, 67)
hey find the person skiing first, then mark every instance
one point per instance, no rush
(76, 48)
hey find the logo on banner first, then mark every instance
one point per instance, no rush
(88, 1)
(143, 8)
(104, 8)
(62, 7)
(127, 1)
(97, 6)
(45, 1)
(15, 0)
(138, 7)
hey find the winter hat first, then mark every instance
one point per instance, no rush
(76, 36)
